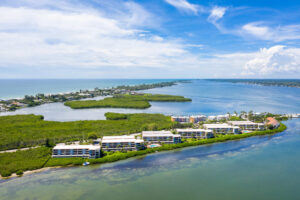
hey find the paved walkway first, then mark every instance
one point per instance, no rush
(14, 150)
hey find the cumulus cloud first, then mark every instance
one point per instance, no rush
(274, 59)
(184, 6)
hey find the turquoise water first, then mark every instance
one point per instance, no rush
(265, 167)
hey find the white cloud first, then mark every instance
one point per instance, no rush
(275, 59)
(216, 14)
(184, 6)
(277, 34)
(82, 39)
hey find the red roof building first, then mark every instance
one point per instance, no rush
(273, 122)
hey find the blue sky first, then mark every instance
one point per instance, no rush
(149, 39)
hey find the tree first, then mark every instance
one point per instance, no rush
(92, 135)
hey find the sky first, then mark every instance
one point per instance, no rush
(149, 39)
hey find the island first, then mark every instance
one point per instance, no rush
(30, 143)
(264, 82)
(131, 100)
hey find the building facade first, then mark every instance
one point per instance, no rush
(180, 119)
(195, 133)
(119, 143)
(222, 128)
(197, 118)
(84, 151)
(248, 125)
(161, 137)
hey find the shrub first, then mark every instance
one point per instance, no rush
(19, 172)
(92, 135)
(115, 116)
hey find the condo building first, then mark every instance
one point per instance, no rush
(161, 137)
(223, 128)
(84, 151)
(195, 133)
(118, 143)
(247, 125)
(197, 118)
(181, 119)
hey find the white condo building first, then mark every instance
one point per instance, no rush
(118, 143)
(247, 125)
(195, 133)
(166, 137)
(222, 128)
(75, 150)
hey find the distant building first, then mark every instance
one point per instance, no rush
(181, 119)
(247, 125)
(222, 117)
(272, 121)
(118, 143)
(212, 118)
(16, 103)
(85, 151)
(223, 128)
(197, 118)
(195, 133)
(165, 137)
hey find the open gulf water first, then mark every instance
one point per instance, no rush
(263, 167)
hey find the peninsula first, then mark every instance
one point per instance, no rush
(119, 137)
(39, 99)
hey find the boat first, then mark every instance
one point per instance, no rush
(86, 163)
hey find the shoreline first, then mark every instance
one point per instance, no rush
(14, 175)
(12, 104)
(132, 154)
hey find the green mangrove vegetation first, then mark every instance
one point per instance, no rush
(137, 101)
(20, 161)
(18, 131)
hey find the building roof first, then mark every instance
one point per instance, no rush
(237, 123)
(77, 146)
(157, 133)
(184, 117)
(200, 116)
(272, 121)
(219, 126)
(193, 130)
(118, 137)
(120, 140)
